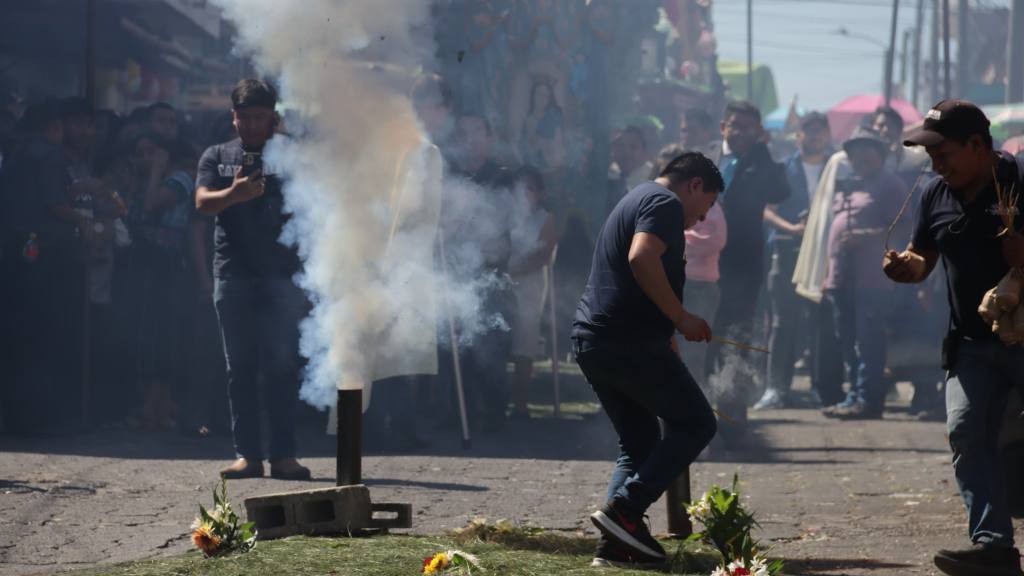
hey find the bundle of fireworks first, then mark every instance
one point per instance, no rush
(1002, 306)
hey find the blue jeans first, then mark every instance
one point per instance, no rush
(977, 388)
(259, 323)
(860, 329)
(636, 387)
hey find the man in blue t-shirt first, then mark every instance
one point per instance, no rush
(958, 221)
(623, 336)
(258, 305)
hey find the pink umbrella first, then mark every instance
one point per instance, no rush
(844, 117)
(1014, 145)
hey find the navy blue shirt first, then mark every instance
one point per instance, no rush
(965, 237)
(35, 178)
(613, 308)
(246, 235)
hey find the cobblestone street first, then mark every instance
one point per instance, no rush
(832, 498)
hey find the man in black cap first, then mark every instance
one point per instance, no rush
(957, 221)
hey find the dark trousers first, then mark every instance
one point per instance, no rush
(731, 371)
(259, 322)
(44, 343)
(392, 412)
(483, 359)
(789, 313)
(204, 391)
(977, 391)
(636, 387)
(826, 355)
(860, 329)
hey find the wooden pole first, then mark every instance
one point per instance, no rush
(677, 495)
(933, 60)
(554, 335)
(915, 82)
(1015, 58)
(963, 76)
(947, 81)
(90, 52)
(905, 63)
(891, 54)
(750, 50)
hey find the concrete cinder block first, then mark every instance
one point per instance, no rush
(388, 516)
(335, 510)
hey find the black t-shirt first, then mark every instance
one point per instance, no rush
(613, 308)
(965, 236)
(246, 235)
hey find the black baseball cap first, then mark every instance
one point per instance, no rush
(812, 118)
(956, 119)
(866, 137)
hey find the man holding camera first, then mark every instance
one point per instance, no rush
(258, 305)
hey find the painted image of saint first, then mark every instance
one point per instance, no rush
(543, 133)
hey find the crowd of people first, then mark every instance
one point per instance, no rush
(106, 271)
(109, 268)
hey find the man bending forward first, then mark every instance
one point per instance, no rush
(623, 334)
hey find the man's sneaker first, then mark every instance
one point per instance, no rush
(858, 411)
(831, 411)
(771, 400)
(979, 560)
(611, 554)
(627, 529)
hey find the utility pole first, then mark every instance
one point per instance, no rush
(904, 63)
(946, 80)
(891, 53)
(750, 50)
(915, 82)
(963, 79)
(1015, 58)
(90, 52)
(933, 60)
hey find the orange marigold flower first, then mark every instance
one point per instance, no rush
(204, 539)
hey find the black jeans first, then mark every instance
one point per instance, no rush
(483, 361)
(636, 387)
(259, 322)
(789, 316)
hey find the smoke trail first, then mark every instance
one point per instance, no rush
(362, 184)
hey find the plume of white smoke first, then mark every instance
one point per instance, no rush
(362, 185)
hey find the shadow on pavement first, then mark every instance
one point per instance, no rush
(834, 566)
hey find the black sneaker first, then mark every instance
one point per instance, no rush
(628, 529)
(979, 560)
(612, 554)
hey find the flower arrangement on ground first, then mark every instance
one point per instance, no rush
(221, 531)
(727, 527)
(451, 563)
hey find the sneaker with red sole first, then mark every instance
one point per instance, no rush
(611, 554)
(628, 529)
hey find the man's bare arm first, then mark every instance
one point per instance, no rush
(911, 266)
(645, 253)
(242, 189)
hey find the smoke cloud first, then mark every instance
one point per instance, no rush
(363, 186)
